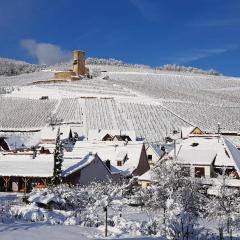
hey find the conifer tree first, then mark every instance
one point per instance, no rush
(58, 159)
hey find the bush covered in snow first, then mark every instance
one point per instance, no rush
(64, 204)
(67, 197)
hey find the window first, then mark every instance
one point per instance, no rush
(119, 163)
(199, 172)
(149, 157)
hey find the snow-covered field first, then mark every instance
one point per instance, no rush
(24, 113)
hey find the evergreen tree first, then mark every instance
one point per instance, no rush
(58, 159)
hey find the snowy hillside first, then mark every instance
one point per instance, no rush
(151, 102)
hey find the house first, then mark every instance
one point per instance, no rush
(22, 172)
(154, 153)
(86, 170)
(146, 179)
(190, 131)
(125, 158)
(48, 134)
(111, 135)
(207, 157)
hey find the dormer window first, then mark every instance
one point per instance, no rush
(149, 157)
(119, 163)
(121, 158)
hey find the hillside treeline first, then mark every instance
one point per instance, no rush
(9, 67)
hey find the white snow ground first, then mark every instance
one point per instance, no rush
(37, 231)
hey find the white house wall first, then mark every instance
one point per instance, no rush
(155, 157)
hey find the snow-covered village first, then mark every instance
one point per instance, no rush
(97, 148)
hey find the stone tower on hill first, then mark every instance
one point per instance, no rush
(79, 62)
(77, 72)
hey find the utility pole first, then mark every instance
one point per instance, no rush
(106, 220)
(175, 150)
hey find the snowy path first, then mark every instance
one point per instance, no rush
(34, 231)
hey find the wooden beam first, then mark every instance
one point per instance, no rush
(44, 182)
(25, 180)
(6, 180)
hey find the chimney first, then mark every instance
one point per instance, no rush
(79, 62)
(108, 164)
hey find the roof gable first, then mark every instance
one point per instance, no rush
(186, 131)
(197, 130)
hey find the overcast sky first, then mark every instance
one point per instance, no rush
(199, 33)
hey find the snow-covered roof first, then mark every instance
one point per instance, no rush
(234, 153)
(50, 133)
(41, 166)
(25, 165)
(111, 150)
(147, 176)
(200, 157)
(71, 165)
(121, 155)
(203, 150)
(21, 140)
(234, 139)
(99, 134)
(156, 148)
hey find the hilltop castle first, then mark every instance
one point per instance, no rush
(78, 71)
